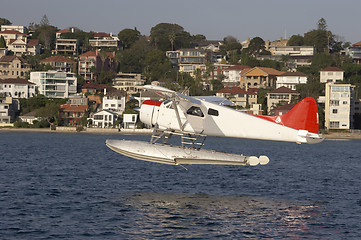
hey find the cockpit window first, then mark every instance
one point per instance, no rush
(195, 111)
(212, 112)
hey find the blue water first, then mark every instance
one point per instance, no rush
(71, 186)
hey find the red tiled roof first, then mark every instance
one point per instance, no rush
(357, 44)
(331, 69)
(300, 74)
(33, 42)
(70, 108)
(96, 86)
(11, 58)
(63, 31)
(270, 71)
(238, 67)
(233, 90)
(283, 90)
(89, 54)
(57, 58)
(16, 81)
(100, 34)
(12, 32)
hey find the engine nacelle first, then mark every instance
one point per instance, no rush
(149, 112)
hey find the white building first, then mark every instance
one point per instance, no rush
(232, 75)
(13, 28)
(291, 80)
(8, 110)
(339, 106)
(331, 74)
(55, 84)
(104, 119)
(17, 88)
(130, 120)
(114, 101)
(292, 50)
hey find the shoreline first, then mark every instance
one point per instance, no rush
(330, 136)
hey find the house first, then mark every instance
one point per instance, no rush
(17, 88)
(13, 28)
(60, 63)
(114, 101)
(55, 84)
(70, 115)
(13, 67)
(292, 50)
(129, 121)
(104, 40)
(280, 96)
(354, 52)
(9, 108)
(94, 91)
(187, 60)
(89, 64)
(235, 94)
(339, 106)
(129, 82)
(331, 74)
(104, 119)
(30, 117)
(13, 35)
(282, 109)
(291, 80)
(58, 33)
(232, 75)
(259, 77)
(24, 46)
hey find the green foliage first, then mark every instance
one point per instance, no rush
(262, 99)
(46, 35)
(21, 124)
(311, 89)
(2, 42)
(4, 21)
(296, 40)
(247, 59)
(133, 59)
(270, 63)
(157, 65)
(256, 46)
(127, 37)
(81, 36)
(39, 101)
(167, 36)
(105, 77)
(50, 112)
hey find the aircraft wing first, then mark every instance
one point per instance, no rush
(171, 94)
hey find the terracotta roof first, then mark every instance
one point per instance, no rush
(33, 42)
(13, 40)
(89, 54)
(233, 90)
(116, 92)
(357, 44)
(282, 108)
(96, 86)
(283, 90)
(253, 91)
(70, 108)
(100, 34)
(63, 31)
(238, 67)
(11, 58)
(331, 69)
(16, 81)
(57, 58)
(12, 32)
(300, 74)
(270, 71)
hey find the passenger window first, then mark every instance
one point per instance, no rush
(213, 112)
(195, 111)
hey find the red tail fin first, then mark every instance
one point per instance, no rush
(303, 116)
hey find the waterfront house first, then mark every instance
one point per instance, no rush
(71, 115)
(280, 96)
(17, 88)
(114, 101)
(104, 119)
(9, 108)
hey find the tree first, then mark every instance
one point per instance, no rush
(296, 40)
(4, 21)
(50, 112)
(256, 46)
(231, 48)
(127, 37)
(164, 35)
(46, 35)
(2, 42)
(157, 65)
(44, 21)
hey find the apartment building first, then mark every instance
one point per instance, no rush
(104, 40)
(129, 82)
(66, 46)
(339, 106)
(89, 64)
(55, 84)
(9, 107)
(114, 101)
(280, 96)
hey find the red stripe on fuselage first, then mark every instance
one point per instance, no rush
(152, 102)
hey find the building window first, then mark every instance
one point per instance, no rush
(334, 124)
(334, 111)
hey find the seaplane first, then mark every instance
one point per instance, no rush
(191, 120)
